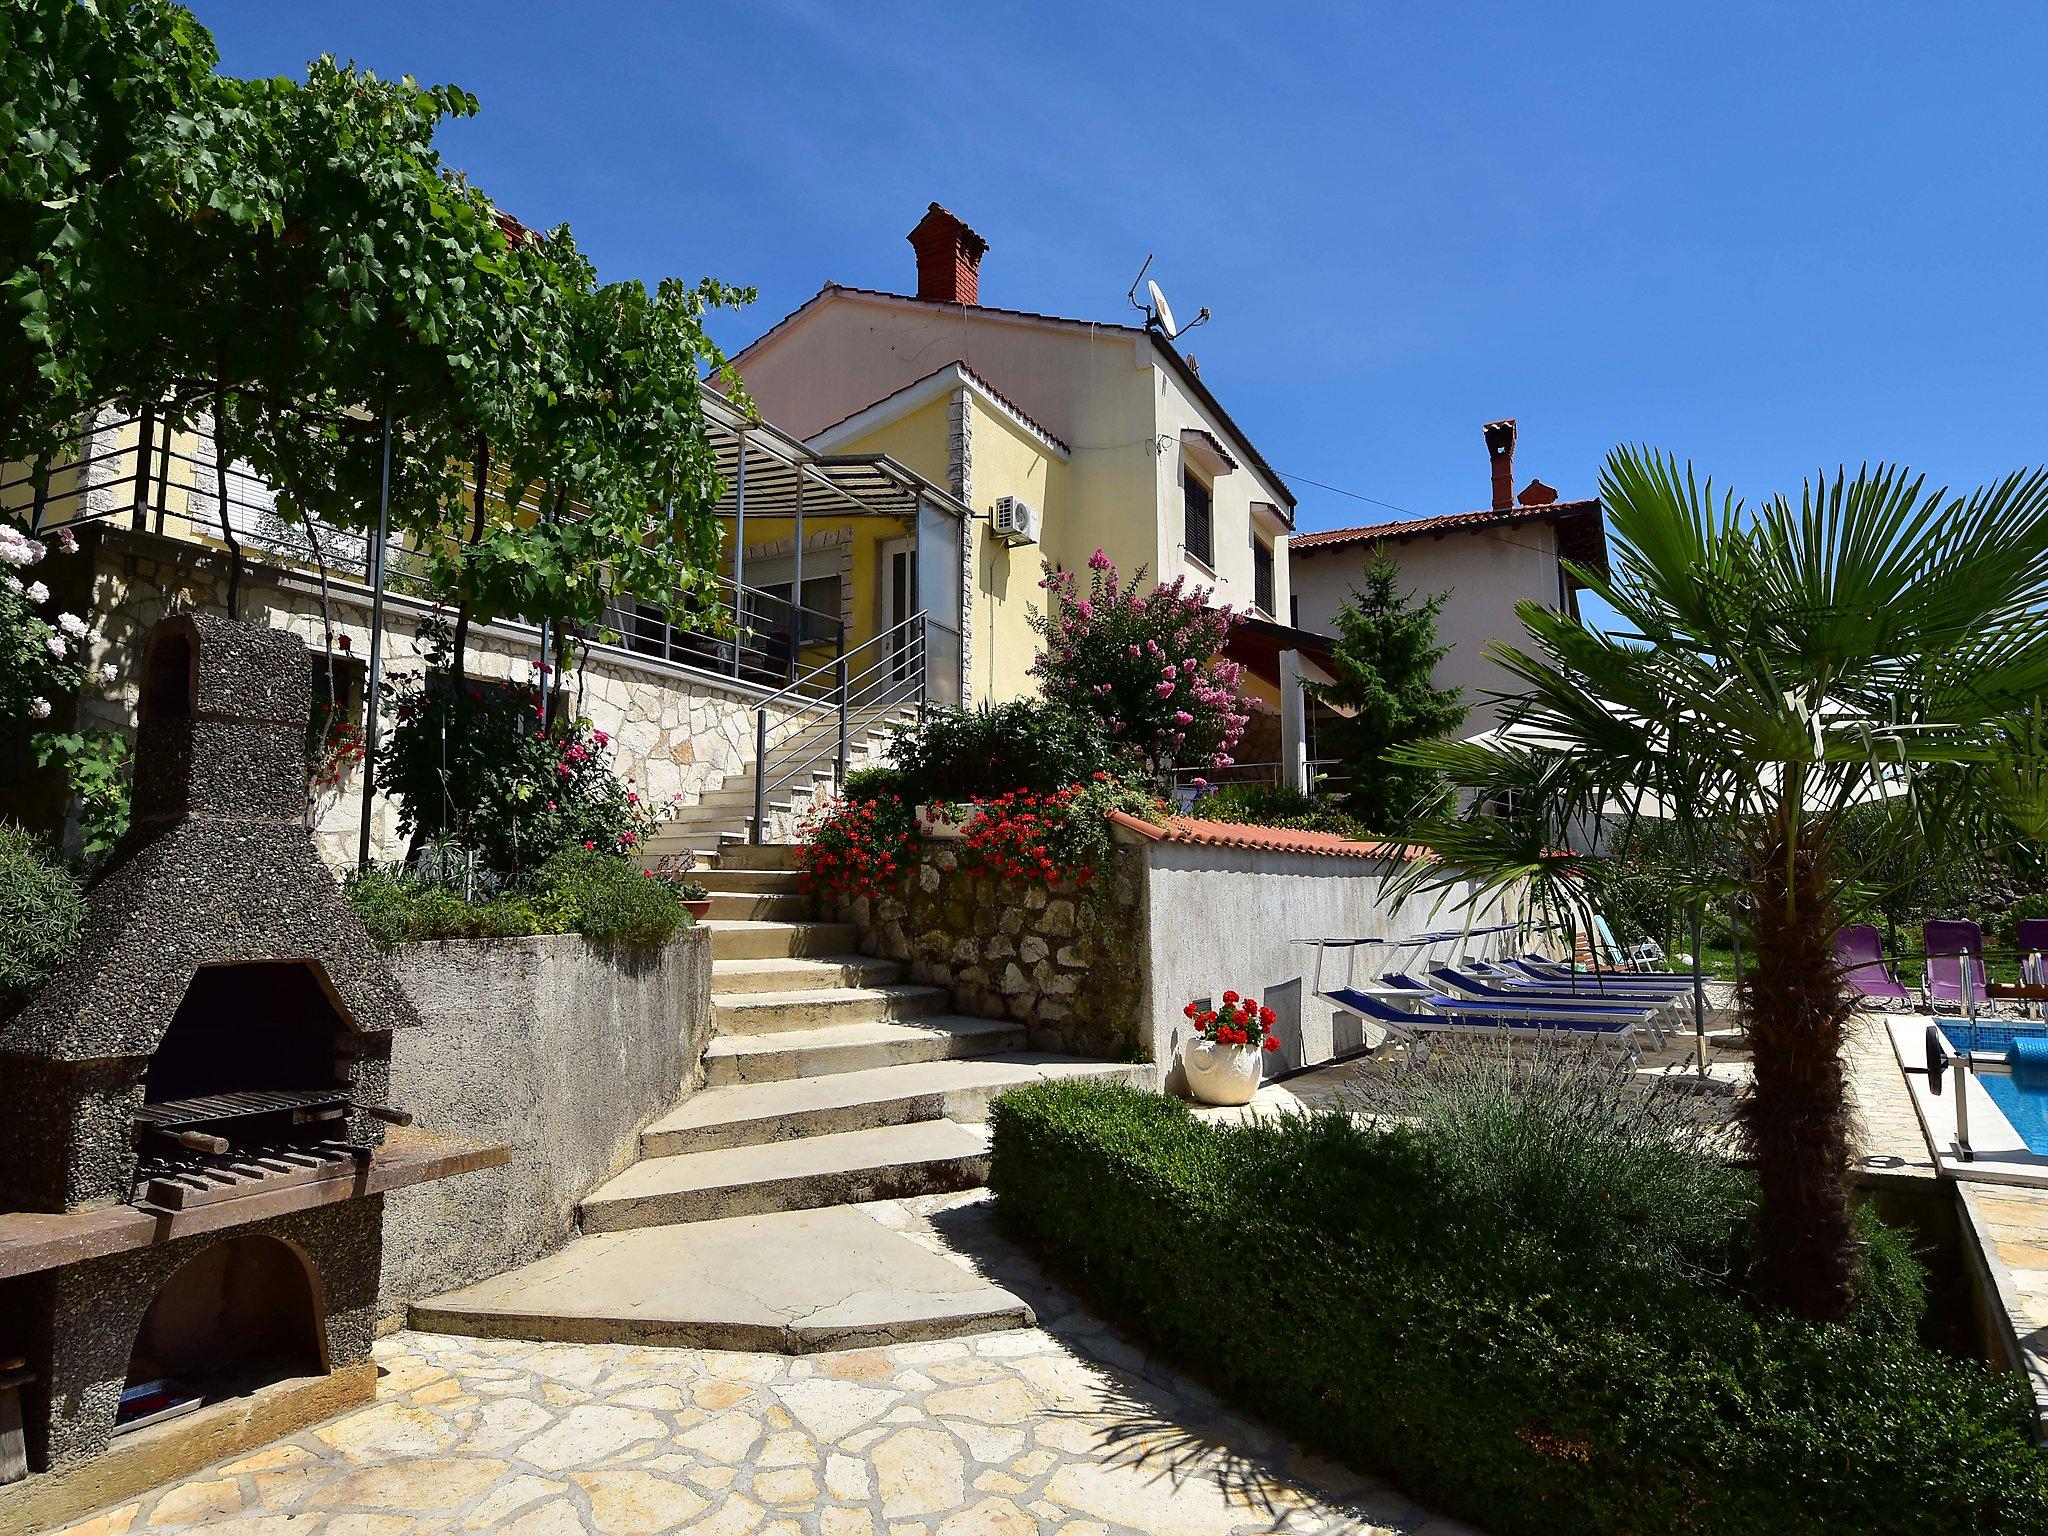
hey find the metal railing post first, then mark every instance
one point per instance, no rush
(839, 681)
(163, 478)
(1967, 1067)
(760, 772)
(145, 434)
(376, 670)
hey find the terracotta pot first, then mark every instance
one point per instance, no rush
(1220, 1074)
(699, 909)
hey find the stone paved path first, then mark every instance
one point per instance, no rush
(1063, 1430)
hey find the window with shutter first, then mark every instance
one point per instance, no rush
(1262, 576)
(1198, 533)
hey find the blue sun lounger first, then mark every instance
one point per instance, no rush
(1593, 984)
(1451, 1017)
(1642, 1015)
(1471, 984)
(1544, 969)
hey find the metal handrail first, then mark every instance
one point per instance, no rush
(908, 657)
(915, 621)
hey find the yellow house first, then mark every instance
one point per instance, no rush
(1058, 437)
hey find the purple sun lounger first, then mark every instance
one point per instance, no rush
(1861, 954)
(1952, 944)
(2031, 934)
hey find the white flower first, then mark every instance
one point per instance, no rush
(108, 672)
(67, 541)
(39, 709)
(17, 548)
(36, 592)
(56, 645)
(72, 625)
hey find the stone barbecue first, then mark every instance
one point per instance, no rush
(197, 1106)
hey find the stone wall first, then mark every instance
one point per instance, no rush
(557, 1049)
(674, 730)
(1062, 959)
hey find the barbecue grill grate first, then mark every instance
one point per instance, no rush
(172, 1113)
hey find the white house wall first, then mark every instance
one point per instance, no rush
(1485, 574)
(1220, 919)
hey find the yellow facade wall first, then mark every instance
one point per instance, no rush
(1010, 460)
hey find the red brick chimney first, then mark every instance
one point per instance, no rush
(1500, 448)
(948, 258)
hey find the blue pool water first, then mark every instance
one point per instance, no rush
(2023, 1097)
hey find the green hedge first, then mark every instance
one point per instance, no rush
(1315, 1272)
(604, 897)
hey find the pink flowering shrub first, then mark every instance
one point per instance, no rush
(1150, 666)
(476, 767)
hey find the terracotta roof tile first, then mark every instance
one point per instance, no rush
(1228, 834)
(1456, 522)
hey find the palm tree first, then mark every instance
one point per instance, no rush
(1872, 645)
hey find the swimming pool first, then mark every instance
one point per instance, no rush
(2022, 1099)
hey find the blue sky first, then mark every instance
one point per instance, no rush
(1766, 237)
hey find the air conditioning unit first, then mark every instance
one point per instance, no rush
(1016, 520)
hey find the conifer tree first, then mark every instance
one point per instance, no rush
(1385, 659)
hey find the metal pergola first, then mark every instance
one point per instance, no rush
(768, 473)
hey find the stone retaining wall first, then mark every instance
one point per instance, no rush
(1063, 959)
(559, 1050)
(674, 730)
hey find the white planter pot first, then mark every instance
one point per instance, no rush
(1220, 1074)
(945, 823)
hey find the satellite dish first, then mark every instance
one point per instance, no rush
(1160, 311)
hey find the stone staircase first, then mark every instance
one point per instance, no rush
(829, 1081)
(722, 816)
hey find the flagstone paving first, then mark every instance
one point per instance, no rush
(1062, 1430)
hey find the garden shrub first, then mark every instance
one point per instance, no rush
(398, 907)
(1416, 1326)
(966, 754)
(1150, 668)
(42, 910)
(874, 784)
(1268, 805)
(612, 901)
(849, 848)
(1577, 1147)
(475, 765)
(1891, 1282)
(607, 898)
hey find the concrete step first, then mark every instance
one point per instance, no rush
(767, 1013)
(791, 1283)
(757, 940)
(884, 1163)
(759, 906)
(757, 856)
(752, 881)
(740, 801)
(798, 975)
(750, 1114)
(793, 1053)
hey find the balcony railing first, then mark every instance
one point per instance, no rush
(129, 471)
